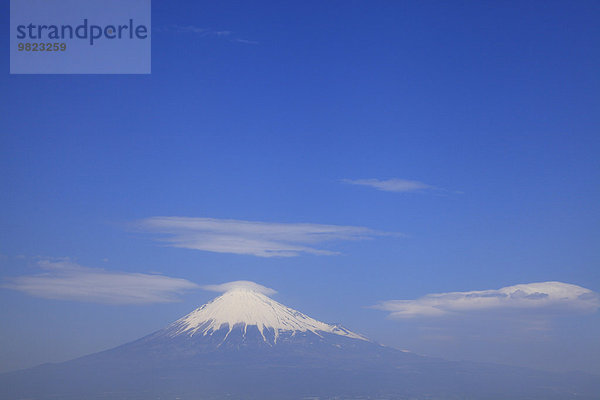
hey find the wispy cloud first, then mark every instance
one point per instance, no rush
(205, 32)
(391, 185)
(185, 29)
(542, 295)
(262, 239)
(67, 280)
(245, 41)
(225, 287)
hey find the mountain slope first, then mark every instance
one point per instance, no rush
(242, 307)
(244, 345)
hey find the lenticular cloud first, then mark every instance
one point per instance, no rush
(541, 295)
(249, 285)
(262, 239)
(66, 280)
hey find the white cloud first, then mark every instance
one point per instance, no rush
(262, 239)
(541, 295)
(246, 41)
(69, 281)
(205, 32)
(391, 185)
(194, 29)
(189, 29)
(225, 287)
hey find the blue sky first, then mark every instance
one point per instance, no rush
(346, 154)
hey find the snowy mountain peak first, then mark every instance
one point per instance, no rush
(243, 306)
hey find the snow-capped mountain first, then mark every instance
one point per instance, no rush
(245, 345)
(242, 307)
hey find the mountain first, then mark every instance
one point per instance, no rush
(245, 345)
(241, 308)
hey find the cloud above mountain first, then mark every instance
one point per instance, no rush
(555, 296)
(66, 280)
(391, 185)
(228, 286)
(262, 239)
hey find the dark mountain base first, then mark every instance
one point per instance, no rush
(305, 365)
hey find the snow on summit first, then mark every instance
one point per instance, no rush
(245, 304)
